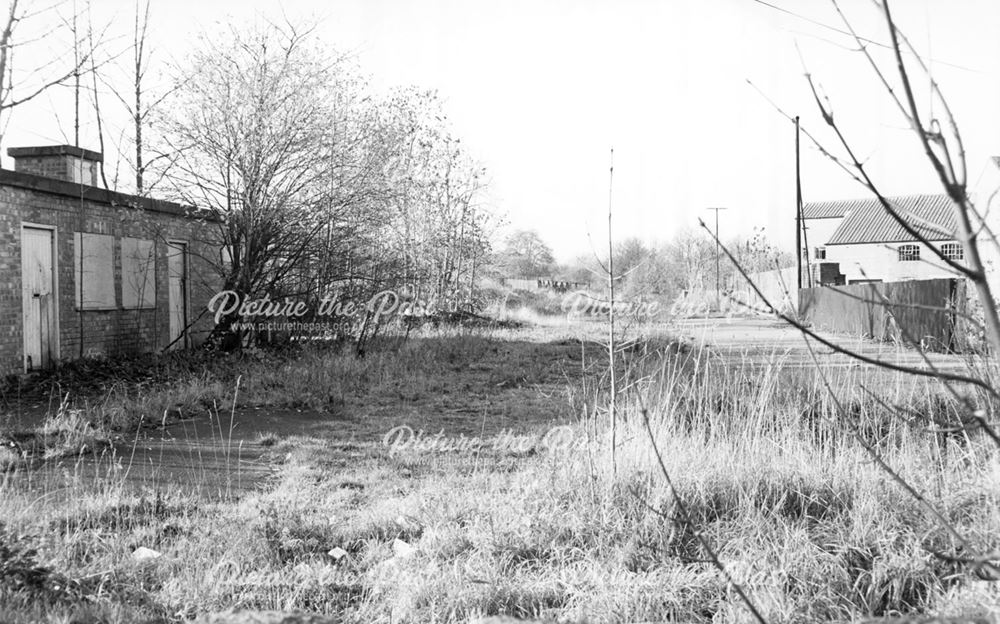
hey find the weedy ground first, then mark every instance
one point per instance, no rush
(555, 526)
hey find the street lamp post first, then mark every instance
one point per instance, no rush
(718, 249)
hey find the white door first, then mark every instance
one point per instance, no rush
(177, 294)
(38, 302)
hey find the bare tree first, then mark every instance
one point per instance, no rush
(320, 186)
(525, 254)
(140, 64)
(275, 134)
(249, 131)
(939, 138)
(437, 225)
(143, 98)
(28, 32)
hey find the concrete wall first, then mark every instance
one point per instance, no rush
(880, 261)
(779, 286)
(861, 310)
(530, 285)
(71, 208)
(543, 283)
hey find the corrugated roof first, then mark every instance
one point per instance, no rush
(867, 221)
(825, 210)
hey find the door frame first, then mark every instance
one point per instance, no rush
(185, 340)
(54, 335)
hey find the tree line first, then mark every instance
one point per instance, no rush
(666, 269)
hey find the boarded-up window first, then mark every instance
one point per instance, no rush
(138, 273)
(93, 259)
(84, 171)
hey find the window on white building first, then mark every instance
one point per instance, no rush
(909, 253)
(953, 251)
(820, 253)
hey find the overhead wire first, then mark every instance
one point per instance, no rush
(845, 33)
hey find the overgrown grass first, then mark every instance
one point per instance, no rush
(765, 464)
(152, 390)
(65, 433)
(794, 507)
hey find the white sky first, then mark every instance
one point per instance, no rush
(540, 90)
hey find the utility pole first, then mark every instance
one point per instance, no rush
(798, 208)
(718, 250)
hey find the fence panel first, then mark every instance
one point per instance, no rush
(920, 312)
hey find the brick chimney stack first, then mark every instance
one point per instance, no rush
(63, 162)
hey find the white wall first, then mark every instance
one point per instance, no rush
(881, 261)
(818, 232)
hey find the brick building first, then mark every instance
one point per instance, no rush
(91, 272)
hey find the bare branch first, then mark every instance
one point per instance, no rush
(687, 521)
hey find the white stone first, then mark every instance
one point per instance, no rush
(401, 549)
(145, 554)
(337, 553)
